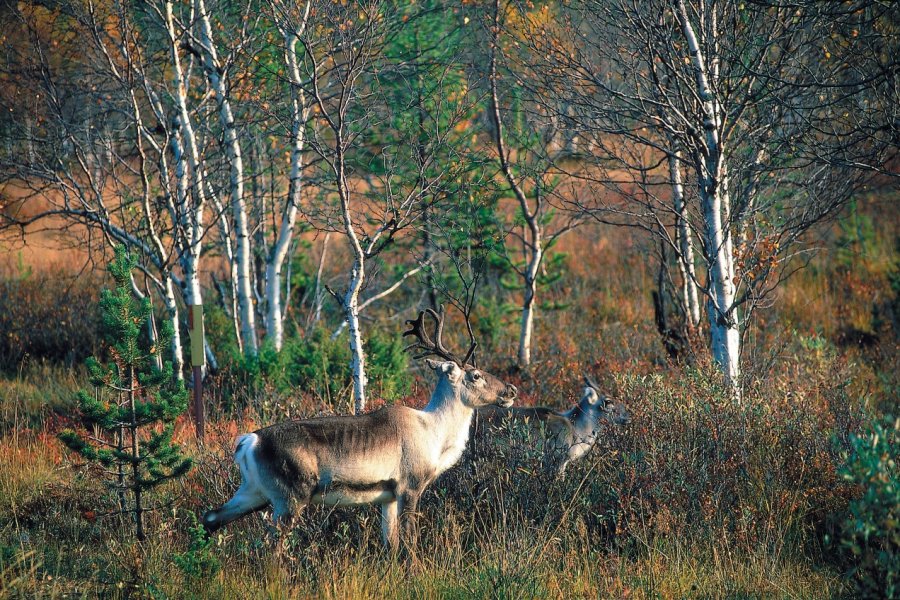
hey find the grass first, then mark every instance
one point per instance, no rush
(666, 508)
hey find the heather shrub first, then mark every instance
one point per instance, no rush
(49, 316)
(693, 462)
(871, 531)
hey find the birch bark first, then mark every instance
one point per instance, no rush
(689, 295)
(190, 214)
(275, 261)
(722, 311)
(533, 231)
(213, 68)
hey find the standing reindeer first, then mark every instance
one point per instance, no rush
(387, 457)
(569, 435)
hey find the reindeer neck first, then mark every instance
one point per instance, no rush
(450, 425)
(447, 406)
(580, 412)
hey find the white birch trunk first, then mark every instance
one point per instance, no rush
(275, 262)
(527, 327)
(225, 235)
(172, 309)
(190, 214)
(319, 293)
(351, 298)
(725, 339)
(350, 301)
(724, 332)
(532, 222)
(689, 296)
(358, 354)
(241, 223)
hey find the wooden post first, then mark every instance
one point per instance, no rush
(198, 359)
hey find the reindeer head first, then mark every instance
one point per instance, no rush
(474, 387)
(600, 407)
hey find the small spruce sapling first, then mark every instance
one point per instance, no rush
(129, 419)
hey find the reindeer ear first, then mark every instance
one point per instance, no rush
(591, 396)
(441, 366)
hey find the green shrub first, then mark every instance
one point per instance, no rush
(319, 365)
(872, 530)
(198, 562)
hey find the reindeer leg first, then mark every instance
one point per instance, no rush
(282, 514)
(246, 500)
(410, 521)
(390, 527)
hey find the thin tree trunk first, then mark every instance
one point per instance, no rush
(238, 203)
(319, 289)
(275, 262)
(723, 322)
(135, 458)
(534, 251)
(428, 244)
(527, 327)
(120, 466)
(689, 296)
(358, 361)
(172, 309)
(225, 234)
(190, 215)
(725, 339)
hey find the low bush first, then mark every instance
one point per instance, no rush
(759, 475)
(47, 316)
(871, 532)
(317, 365)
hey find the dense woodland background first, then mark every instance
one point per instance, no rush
(694, 202)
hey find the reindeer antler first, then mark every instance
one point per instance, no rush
(436, 346)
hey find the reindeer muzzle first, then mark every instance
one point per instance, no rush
(509, 396)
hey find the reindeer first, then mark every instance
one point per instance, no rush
(387, 457)
(569, 435)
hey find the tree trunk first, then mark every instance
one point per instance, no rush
(172, 309)
(319, 291)
(135, 458)
(531, 226)
(689, 296)
(275, 262)
(358, 360)
(238, 204)
(428, 256)
(527, 328)
(725, 338)
(190, 214)
(225, 234)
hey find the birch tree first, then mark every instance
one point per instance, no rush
(291, 22)
(217, 73)
(533, 167)
(148, 142)
(377, 195)
(747, 97)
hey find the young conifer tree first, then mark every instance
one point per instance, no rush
(129, 419)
